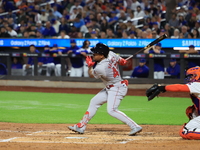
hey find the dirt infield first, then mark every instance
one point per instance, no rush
(99, 137)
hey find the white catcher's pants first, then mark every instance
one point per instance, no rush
(191, 130)
(194, 124)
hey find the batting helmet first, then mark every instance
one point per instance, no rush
(101, 48)
(193, 74)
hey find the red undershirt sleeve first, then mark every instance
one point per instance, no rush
(177, 88)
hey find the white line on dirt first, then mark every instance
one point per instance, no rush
(75, 137)
(15, 131)
(31, 133)
(128, 140)
(123, 142)
(67, 142)
(8, 140)
(24, 131)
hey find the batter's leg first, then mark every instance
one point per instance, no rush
(115, 95)
(95, 103)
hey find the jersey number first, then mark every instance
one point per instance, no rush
(115, 72)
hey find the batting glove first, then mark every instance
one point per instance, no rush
(89, 61)
(122, 61)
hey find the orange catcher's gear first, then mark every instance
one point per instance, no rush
(191, 112)
(193, 74)
(189, 135)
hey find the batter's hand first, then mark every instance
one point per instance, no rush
(122, 61)
(89, 61)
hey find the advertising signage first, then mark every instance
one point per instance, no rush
(115, 43)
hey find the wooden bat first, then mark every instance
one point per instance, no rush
(164, 36)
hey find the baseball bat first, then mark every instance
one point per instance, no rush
(164, 36)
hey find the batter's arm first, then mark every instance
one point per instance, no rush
(90, 72)
(122, 61)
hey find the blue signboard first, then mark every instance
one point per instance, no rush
(115, 43)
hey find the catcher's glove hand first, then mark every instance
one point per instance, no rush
(154, 91)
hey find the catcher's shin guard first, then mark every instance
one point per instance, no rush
(183, 132)
(189, 135)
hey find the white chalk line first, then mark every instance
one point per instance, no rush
(41, 131)
(32, 133)
(8, 140)
(123, 142)
(15, 131)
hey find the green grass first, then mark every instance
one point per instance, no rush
(28, 107)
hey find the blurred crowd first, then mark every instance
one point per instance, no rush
(98, 19)
(93, 19)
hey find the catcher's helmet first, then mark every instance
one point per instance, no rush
(193, 74)
(101, 48)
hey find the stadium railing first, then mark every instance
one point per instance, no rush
(181, 58)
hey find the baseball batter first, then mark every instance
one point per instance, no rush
(106, 68)
(190, 130)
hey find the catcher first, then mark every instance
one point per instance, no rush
(190, 130)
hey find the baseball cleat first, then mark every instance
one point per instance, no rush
(135, 130)
(75, 128)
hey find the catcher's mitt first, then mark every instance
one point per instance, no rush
(154, 91)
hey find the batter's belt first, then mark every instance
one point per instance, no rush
(112, 85)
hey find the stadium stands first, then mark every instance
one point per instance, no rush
(142, 14)
(133, 19)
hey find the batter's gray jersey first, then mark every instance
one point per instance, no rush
(108, 69)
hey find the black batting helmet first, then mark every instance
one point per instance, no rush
(101, 48)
